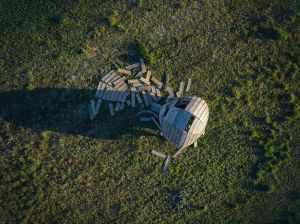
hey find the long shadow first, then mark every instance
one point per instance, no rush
(66, 111)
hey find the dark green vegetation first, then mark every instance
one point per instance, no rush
(57, 166)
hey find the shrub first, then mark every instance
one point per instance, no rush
(145, 53)
(268, 120)
(254, 134)
(112, 21)
(292, 98)
(236, 92)
(271, 188)
(280, 34)
(1, 62)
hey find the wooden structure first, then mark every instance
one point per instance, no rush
(183, 121)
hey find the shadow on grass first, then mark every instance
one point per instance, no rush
(66, 111)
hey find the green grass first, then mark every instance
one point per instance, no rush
(57, 166)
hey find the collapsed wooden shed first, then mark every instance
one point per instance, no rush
(183, 120)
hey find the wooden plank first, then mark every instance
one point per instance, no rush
(139, 74)
(143, 66)
(133, 81)
(194, 106)
(133, 100)
(159, 154)
(167, 164)
(137, 85)
(133, 66)
(138, 97)
(203, 109)
(124, 71)
(93, 107)
(150, 100)
(133, 89)
(104, 78)
(148, 75)
(181, 89)
(99, 86)
(191, 103)
(158, 94)
(146, 81)
(116, 78)
(126, 94)
(120, 80)
(155, 107)
(111, 77)
(156, 82)
(197, 107)
(117, 107)
(145, 119)
(145, 98)
(122, 106)
(98, 105)
(189, 85)
(111, 109)
(128, 102)
(156, 123)
(181, 142)
(144, 88)
(90, 112)
(124, 87)
(153, 94)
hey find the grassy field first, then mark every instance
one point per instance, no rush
(57, 166)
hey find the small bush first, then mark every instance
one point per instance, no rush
(145, 53)
(268, 120)
(236, 92)
(1, 62)
(271, 188)
(112, 21)
(292, 98)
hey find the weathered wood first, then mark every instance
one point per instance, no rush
(133, 100)
(128, 102)
(117, 107)
(139, 74)
(143, 66)
(144, 88)
(124, 71)
(104, 78)
(111, 77)
(156, 82)
(120, 80)
(158, 94)
(133, 66)
(133, 89)
(195, 144)
(126, 94)
(138, 97)
(145, 98)
(133, 81)
(145, 119)
(111, 109)
(153, 93)
(189, 85)
(90, 112)
(98, 105)
(93, 107)
(156, 123)
(148, 75)
(122, 106)
(138, 85)
(181, 89)
(144, 80)
(150, 100)
(159, 154)
(99, 86)
(155, 107)
(167, 164)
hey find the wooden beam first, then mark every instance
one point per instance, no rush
(167, 164)
(124, 71)
(133, 66)
(159, 154)
(189, 85)
(111, 109)
(143, 66)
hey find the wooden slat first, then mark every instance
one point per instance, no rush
(138, 97)
(126, 94)
(117, 107)
(191, 103)
(120, 80)
(183, 136)
(158, 94)
(156, 82)
(167, 164)
(111, 77)
(99, 86)
(133, 100)
(159, 154)
(150, 100)
(143, 66)
(156, 123)
(194, 106)
(189, 85)
(128, 102)
(104, 78)
(111, 109)
(144, 88)
(133, 66)
(124, 71)
(153, 94)
(133, 81)
(195, 110)
(181, 89)
(98, 105)
(122, 106)
(93, 107)
(148, 75)
(145, 98)
(155, 107)
(146, 81)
